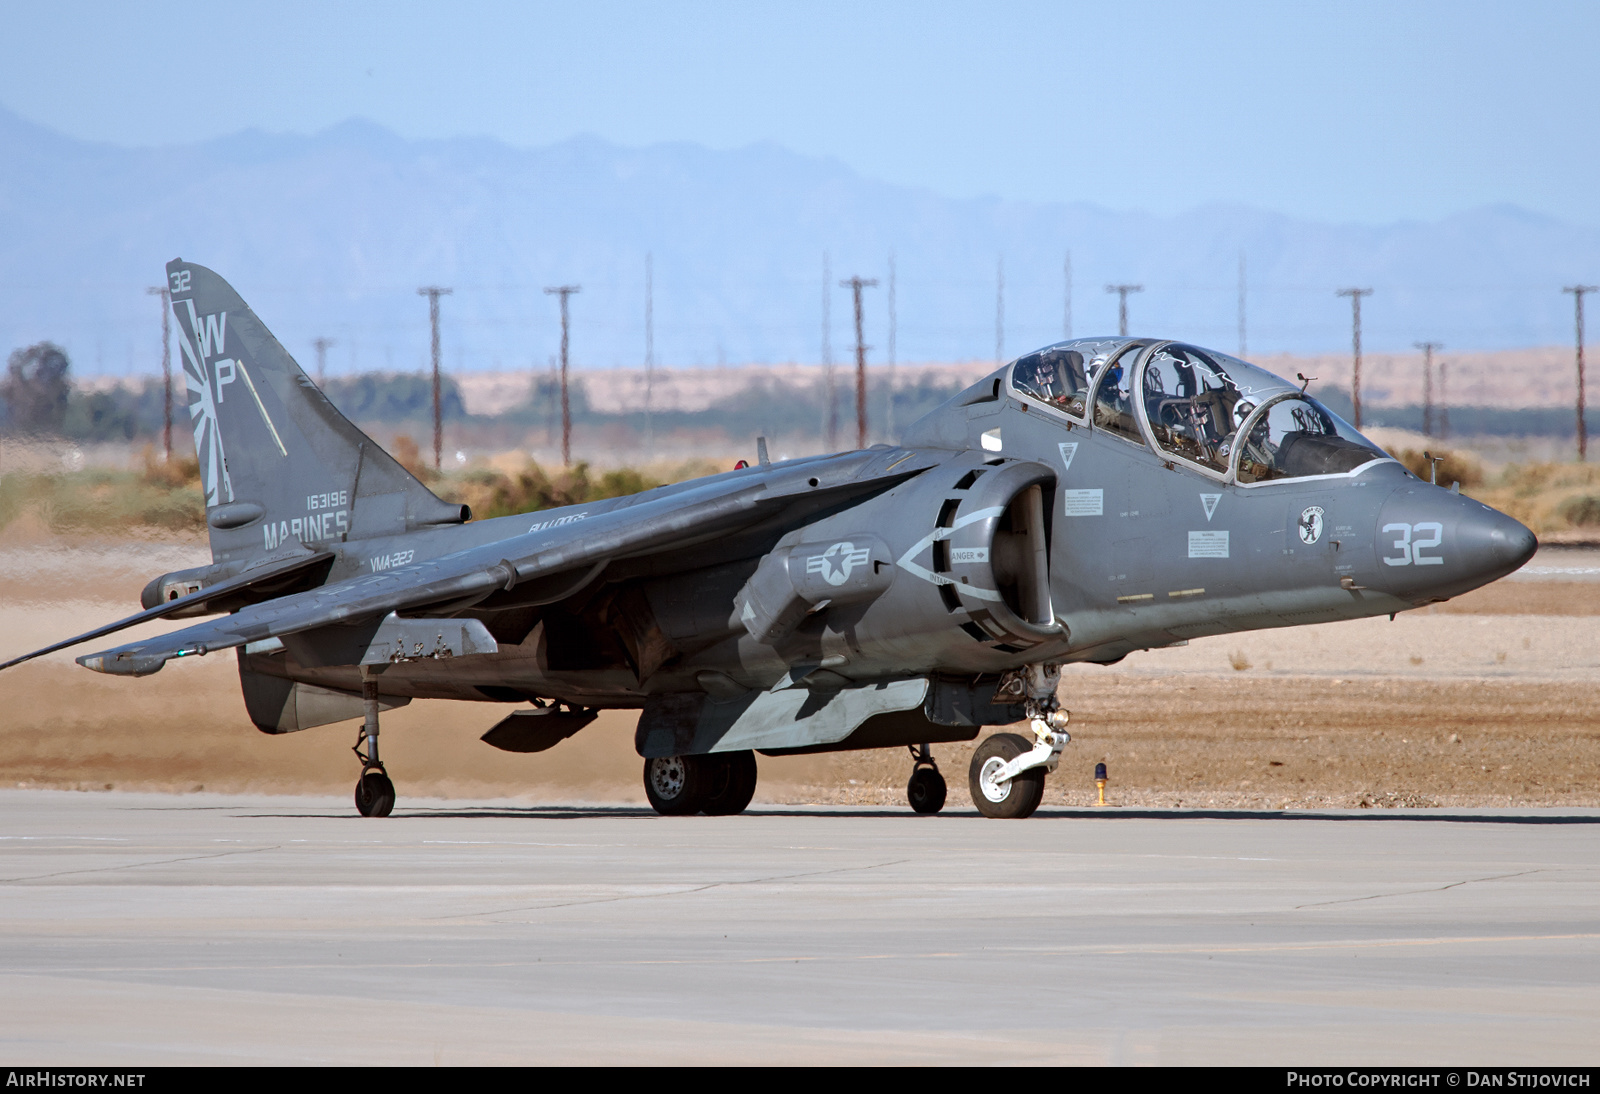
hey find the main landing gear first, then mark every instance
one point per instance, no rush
(926, 791)
(719, 784)
(374, 791)
(1007, 773)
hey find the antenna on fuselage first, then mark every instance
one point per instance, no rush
(1305, 381)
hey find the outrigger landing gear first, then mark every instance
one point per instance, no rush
(1007, 773)
(926, 791)
(374, 791)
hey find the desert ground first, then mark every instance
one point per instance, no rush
(1485, 701)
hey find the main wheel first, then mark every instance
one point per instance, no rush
(677, 785)
(374, 794)
(733, 783)
(926, 791)
(1016, 798)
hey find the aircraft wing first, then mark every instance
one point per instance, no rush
(256, 575)
(674, 520)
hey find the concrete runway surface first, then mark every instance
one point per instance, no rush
(158, 929)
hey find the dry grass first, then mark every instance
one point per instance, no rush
(1547, 497)
(98, 500)
(103, 500)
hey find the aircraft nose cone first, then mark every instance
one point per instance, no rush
(1434, 544)
(1493, 544)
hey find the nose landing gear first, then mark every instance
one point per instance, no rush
(1007, 773)
(926, 791)
(374, 791)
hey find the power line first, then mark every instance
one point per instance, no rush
(433, 293)
(1427, 349)
(166, 368)
(855, 285)
(1122, 292)
(1355, 296)
(564, 291)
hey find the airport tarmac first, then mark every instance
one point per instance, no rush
(144, 929)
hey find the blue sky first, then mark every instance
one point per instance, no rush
(1357, 112)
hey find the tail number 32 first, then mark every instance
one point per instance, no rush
(1413, 540)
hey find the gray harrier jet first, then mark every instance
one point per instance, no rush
(1093, 498)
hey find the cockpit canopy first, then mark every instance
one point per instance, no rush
(1208, 409)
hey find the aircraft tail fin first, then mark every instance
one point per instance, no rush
(279, 464)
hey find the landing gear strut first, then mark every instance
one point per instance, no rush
(926, 790)
(374, 791)
(1007, 773)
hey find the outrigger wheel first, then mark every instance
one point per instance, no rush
(927, 790)
(374, 793)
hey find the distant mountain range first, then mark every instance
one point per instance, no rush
(330, 235)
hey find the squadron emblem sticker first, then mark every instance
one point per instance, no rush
(1311, 524)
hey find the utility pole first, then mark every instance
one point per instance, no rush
(1577, 292)
(889, 407)
(1242, 348)
(649, 353)
(564, 291)
(433, 293)
(999, 311)
(1122, 292)
(1427, 349)
(551, 385)
(322, 345)
(830, 408)
(855, 285)
(1066, 311)
(166, 368)
(1355, 296)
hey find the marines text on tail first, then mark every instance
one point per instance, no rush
(1093, 498)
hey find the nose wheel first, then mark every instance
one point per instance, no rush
(374, 790)
(1007, 773)
(927, 790)
(995, 791)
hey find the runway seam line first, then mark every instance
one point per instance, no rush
(136, 865)
(676, 892)
(1415, 892)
